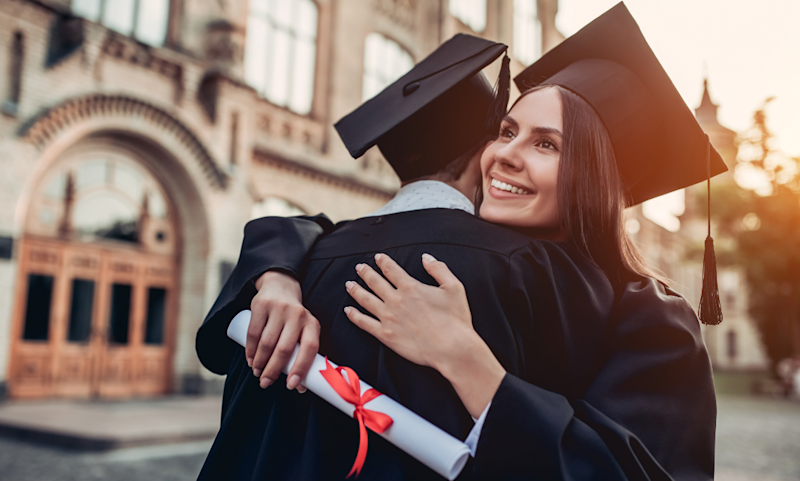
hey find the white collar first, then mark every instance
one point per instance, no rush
(425, 194)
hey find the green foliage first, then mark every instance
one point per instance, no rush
(762, 218)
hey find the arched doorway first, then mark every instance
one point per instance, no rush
(96, 304)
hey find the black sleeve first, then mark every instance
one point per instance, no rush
(270, 243)
(642, 407)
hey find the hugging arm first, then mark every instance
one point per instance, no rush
(276, 244)
(648, 411)
(604, 391)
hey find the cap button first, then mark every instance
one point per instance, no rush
(409, 89)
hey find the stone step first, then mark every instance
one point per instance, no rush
(107, 425)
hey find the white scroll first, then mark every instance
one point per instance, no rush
(422, 440)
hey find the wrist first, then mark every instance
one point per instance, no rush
(462, 346)
(474, 372)
(275, 277)
(470, 356)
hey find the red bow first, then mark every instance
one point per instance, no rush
(351, 392)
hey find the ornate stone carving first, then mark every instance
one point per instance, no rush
(225, 47)
(401, 12)
(48, 124)
(307, 171)
(124, 48)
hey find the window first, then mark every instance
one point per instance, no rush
(731, 345)
(527, 32)
(37, 308)
(146, 20)
(80, 311)
(280, 51)
(156, 307)
(14, 74)
(119, 316)
(384, 62)
(472, 13)
(104, 197)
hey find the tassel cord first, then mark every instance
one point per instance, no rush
(710, 309)
(498, 107)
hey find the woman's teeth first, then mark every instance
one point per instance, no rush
(508, 188)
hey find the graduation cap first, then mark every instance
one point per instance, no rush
(435, 112)
(658, 144)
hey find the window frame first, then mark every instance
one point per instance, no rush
(366, 72)
(465, 11)
(170, 22)
(294, 37)
(15, 71)
(522, 54)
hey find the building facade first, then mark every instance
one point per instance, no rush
(138, 137)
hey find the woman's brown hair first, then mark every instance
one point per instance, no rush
(591, 196)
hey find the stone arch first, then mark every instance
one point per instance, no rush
(103, 111)
(176, 158)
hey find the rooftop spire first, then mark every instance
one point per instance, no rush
(706, 112)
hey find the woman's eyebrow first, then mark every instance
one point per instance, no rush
(547, 130)
(509, 119)
(536, 130)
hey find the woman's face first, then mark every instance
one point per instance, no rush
(520, 169)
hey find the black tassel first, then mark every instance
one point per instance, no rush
(499, 106)
(710, 309)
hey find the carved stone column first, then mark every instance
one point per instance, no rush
(225, 47)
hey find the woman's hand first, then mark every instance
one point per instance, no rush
(277, 323)
(430, 326)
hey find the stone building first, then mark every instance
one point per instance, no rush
(137, 137)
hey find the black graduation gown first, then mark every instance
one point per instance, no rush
(600, 385)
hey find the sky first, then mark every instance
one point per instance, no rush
(749, 50)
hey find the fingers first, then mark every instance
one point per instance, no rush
(439, 271)
(266, 344)
(392, 270)
(309, 346)
(375, 281)
(258, 319)
(366, 299)
(281, 354)
(363, 321)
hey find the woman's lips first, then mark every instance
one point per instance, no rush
(501, 189)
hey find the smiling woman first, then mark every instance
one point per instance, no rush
(571, 359)
(520, 169)
(553, 170)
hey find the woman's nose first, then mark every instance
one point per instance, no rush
(508, 157)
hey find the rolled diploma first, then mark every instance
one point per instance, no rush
(424, 441)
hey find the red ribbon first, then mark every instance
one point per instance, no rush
(351, 392)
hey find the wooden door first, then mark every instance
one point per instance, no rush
(92, 321)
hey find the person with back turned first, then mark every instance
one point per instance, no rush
(575, 360)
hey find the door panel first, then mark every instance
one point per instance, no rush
(92, 321)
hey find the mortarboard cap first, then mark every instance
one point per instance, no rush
(658, 144)
(432, 114)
